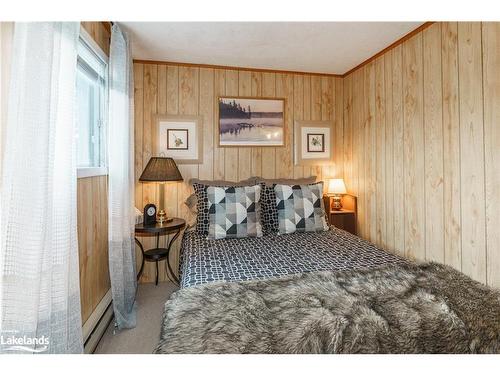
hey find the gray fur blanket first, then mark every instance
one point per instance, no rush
(428, 308)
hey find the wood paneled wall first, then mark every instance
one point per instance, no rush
(172, 89)
(93, 241)
(422, 147)
(100, 32)
(92, 195)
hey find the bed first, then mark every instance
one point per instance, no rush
(325, 292)
(274, 255)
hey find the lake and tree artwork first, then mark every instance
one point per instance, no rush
(251, 122)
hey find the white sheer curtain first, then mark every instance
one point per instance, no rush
(121, 181)
(40, 294)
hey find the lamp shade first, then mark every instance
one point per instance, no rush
(336, 186)
(160, 170)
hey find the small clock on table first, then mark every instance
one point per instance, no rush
(149, 214)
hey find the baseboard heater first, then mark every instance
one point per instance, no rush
(95, 326)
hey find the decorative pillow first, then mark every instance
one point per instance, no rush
(269, 214)
(234, 212)
(200, 190)
(286, 181)
(300, 208)
(190, 202)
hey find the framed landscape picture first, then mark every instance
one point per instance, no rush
(179, 137)
(313, 142)
(253, 122)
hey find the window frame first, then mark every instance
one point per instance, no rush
(85, 172)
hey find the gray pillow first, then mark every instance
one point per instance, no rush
(234, 212)
(200, 191)
(248, 182)
(191, 201)
(286, 181)
(300, 208)
(269, 215)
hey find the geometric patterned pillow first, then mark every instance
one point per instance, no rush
(234, 212)
(269, 215)
(300, 208)
(200, 190)
(202, 206)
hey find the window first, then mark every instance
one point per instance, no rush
(91, 104)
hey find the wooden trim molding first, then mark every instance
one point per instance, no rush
(393, 45)
(107, 26)
(94, 318)
(239, 68)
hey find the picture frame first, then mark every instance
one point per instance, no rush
(247, 121)
(179, 137)
(313, 142)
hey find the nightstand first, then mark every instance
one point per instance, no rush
(157, 254)
(346, 217)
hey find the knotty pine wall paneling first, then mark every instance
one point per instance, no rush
(472, 162)
(414, 148)
(388, 158)
(451, 145)
(422, 147)
(398, 136)
(190, 90)
(491, 91)
(433, 140)
(92, 224)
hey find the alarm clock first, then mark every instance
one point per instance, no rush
(149, 214)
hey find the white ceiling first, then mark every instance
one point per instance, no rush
(321, 47)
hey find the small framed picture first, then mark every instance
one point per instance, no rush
(315, 142)
(177, 139)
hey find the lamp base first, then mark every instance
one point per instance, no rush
(162, 217)
(165, 221)
(337, 202)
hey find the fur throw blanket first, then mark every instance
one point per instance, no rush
(428, 308)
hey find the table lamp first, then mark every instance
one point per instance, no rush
(161, 170)
(336, 187)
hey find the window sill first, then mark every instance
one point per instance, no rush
(85, 172)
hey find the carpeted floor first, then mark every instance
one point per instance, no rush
(144, 337)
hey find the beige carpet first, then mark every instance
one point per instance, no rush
(143, 338)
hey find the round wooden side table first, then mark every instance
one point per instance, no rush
(159, 253)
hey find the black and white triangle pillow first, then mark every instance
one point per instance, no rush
(234, 212)
(300, 208)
